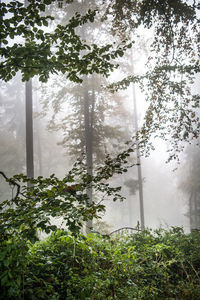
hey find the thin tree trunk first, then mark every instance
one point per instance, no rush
(39, 149)
(195, 211)
(190, 211)
(139, 169)
(88, 127)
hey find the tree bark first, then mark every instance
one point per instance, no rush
(139, 169)
(29, 130)
(29, 125)
(88, 128)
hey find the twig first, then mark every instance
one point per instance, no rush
(125, 228)
(195, 271)
(12, 182)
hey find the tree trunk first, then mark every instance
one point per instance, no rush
(29, 130)
(29, 125)
(88, 127)
(38, 141)
(139, 168)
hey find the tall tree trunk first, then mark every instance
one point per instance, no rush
(29, 125)
(29, 130)
(88, 127)
(139, 168)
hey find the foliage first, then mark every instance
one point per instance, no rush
(45, 52)
(145, 265)
(13, 262)
(40, 199)
(171, 65)
(33, 207)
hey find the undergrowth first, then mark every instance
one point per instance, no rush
(147, 265)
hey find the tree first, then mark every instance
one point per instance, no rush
(86, 107)
(170, 68)
(90, 120)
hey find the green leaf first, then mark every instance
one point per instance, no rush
(45, 23)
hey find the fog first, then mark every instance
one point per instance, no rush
(165, 203)
(58, 127)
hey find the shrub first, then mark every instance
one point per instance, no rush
(147, 265)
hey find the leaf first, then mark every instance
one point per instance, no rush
(45, 23)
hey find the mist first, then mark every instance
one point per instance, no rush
(166, 204)
(71, 119)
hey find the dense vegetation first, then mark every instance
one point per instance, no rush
(145, 265)
(68, 265)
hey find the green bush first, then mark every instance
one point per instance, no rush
(13, 262)
(147, 265)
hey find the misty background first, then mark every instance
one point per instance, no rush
(170, 190)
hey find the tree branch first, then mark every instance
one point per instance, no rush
(12, 182)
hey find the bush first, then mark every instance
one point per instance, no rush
(147, 265)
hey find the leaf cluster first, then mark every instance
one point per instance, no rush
(43, 53)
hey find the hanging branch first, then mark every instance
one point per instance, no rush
(12, 182)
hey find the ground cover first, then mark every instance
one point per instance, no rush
(146, 265)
